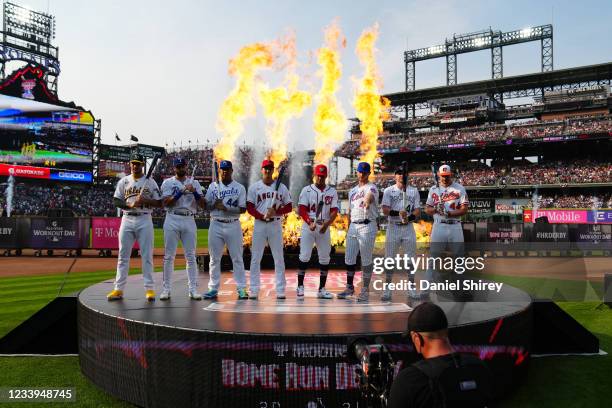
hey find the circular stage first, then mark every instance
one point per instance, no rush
(269, 352)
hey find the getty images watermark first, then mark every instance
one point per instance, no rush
(433, 267)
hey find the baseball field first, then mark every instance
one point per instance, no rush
(551, 381)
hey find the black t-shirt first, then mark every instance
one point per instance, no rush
(411, 388)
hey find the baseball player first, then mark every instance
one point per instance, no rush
(227, 200)
(447, 202)
(135, 195)
(318, 207)
(181, 195)
(361, 235)
(267, 206)
(401, 205)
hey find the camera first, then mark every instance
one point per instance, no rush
(375, 374)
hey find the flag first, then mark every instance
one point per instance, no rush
(133, 138)
(117, 137)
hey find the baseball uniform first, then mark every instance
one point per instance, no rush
(399, 236)
(261, 197)
(446, 231)
(136, 225)
(180, 225)
(224, 230)
(316, 205)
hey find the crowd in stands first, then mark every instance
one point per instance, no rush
(504, 173)
(202, 156)
(574, 201)
(489, 133)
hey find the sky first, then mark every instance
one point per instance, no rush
(159, 70)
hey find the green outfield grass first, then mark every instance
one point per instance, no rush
(550, 382)
(158, 238)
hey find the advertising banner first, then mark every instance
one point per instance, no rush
(480, 206)
(600, 216)
(8, 233)
(105, 233)
(550, 233)
(59, 233)
(592, 233)
(557, 216)
(511, 205)
(505, 232)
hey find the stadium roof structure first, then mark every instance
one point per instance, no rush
(510, 87)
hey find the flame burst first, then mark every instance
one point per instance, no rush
(371, 109)
(329, 119)
(240, 103)
(283, 103)
(292, 230)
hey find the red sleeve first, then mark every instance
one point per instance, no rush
(254, 213)
(303, 212)
(333, 211)
(285, 209)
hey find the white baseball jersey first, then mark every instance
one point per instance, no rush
(392, 198)
(129, 188)
(233, 196)
(187, 201)
(453, 197)
(312, 197)
(262, 196)
(357, 203)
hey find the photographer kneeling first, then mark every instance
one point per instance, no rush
(443, 378)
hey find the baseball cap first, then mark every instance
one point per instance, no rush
(445, 170)
(320, 170)
(267, 163)
(427, 317)
(135, 157)
(225, 165)
(179, 161)
(363, 167)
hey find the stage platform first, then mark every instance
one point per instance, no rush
(269, 352)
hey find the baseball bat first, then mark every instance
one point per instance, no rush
(405, 182)
(215, 177)
(152, 167)
(281, 173)
(435, 174)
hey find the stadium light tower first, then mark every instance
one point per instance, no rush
(494, 40)
(27, 36)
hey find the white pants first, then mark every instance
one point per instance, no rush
(272, 232)
(443, 237)
(310, 238)
(360, 239)
(400, 238)
(180, 228)
(135, 228)
(219, 235)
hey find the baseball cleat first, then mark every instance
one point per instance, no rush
(324, 294)
(386, 296)
(300, 291)
(194, 295)
(349, 291)
(363, 296)
(165, 295)
(280, 295)
(254, 295)
(115, 294)
(211, 294)
(243, 294)
(150, 295)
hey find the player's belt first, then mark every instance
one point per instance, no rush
(402, 223)
(184, 213)
(271, 219)
(319, 222)
(225, 221)
(366, 221)
(448, 221)
(134, 214)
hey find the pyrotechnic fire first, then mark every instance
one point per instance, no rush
(282, 104)
(329, 119)
(423, 231)
(371, 109)
(240, 103)
(292, 230)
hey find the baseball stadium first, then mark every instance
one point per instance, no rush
(436, 246)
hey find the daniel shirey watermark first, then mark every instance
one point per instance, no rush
(432, 281)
